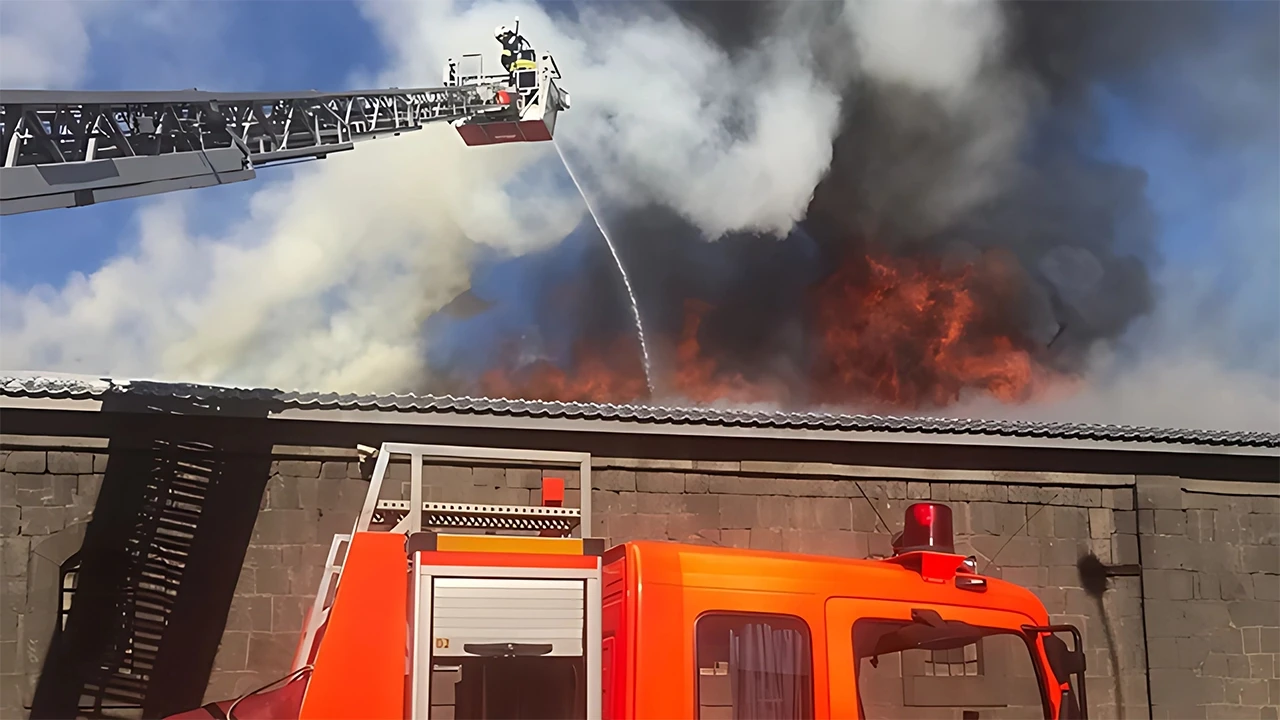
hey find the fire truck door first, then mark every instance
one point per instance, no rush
(506, 647)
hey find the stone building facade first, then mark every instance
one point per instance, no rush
(236, 516)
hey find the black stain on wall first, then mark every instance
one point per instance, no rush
(160, 560)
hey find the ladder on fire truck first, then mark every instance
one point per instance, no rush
(467, 618)
(67, 149)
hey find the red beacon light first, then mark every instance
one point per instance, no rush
(925, 543)
(927, 528)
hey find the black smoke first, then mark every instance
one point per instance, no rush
(1079, 225)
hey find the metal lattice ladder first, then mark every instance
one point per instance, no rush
(324, 600)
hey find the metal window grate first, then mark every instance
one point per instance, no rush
(483, 517)
(67, 590)
(958, 662)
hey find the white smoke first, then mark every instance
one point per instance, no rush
(323, 284)
(662, 114)
(929, 46)
(951, 55)
(738, 143)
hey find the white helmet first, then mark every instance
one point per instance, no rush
(500, 31)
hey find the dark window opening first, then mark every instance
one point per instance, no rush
(68, 585)
(753, 666)
(68, 580)
(509, 688)
(944, 670)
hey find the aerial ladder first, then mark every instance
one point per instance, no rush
(67, 149)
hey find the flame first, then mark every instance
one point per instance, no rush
(906, 332)
(613, 375)
(699, 378)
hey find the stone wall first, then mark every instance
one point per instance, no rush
(1211, 565)
(46, 500)
(1204, 604)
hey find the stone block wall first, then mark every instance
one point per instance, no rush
(1205, 605)
(46, 499)
(1211, 564)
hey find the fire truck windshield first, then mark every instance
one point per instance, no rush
(931, 668)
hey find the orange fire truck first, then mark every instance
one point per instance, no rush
(439, 610)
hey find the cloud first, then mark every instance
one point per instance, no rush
(57, 44)
(45, 43)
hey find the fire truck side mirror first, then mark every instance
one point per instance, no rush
(1062, 660)
(1068, 667)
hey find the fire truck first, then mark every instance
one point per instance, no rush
(433, 610)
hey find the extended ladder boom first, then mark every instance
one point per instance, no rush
(70, 148)
(67, 148)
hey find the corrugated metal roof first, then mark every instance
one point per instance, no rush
(64, 387)
(53, 386)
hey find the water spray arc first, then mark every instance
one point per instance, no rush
(622, 270)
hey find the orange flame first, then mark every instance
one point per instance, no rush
(905, 332)
(908, 332)
(700, 379)
(610, 376)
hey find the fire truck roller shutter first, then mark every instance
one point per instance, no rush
(486, 611)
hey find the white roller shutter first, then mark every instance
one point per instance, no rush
(507, 610)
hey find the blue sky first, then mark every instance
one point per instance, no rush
(234, 45)
(252, 45)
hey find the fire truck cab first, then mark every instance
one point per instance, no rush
(442, 617)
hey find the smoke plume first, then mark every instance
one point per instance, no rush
(863, 205)
(972, 135)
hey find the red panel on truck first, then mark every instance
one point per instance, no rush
(497, 133)
(535, 131)
(359, 670)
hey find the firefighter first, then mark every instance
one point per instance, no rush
(451, 73)
(511, 43)
(517, 53)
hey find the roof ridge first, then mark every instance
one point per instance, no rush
(54, 386)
